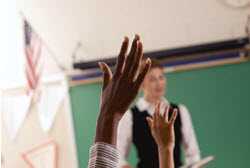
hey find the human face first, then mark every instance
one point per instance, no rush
(154, 84)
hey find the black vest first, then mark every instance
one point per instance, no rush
(147, 151)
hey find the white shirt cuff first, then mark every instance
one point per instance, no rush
(103, 155)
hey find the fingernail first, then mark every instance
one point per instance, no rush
(125, 39)
(137, 43)
(148, 60)
(137, 37)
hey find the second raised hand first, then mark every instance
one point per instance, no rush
(162, 128)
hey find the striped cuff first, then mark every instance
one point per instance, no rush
(103, 155)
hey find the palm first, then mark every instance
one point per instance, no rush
(162, 129)
(122, 100)
(165, 134)
(121, 89)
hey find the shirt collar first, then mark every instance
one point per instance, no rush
(144, 105)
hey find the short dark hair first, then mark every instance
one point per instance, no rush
(156, 64)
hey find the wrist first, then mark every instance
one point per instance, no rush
(110, 114)
(108, 119)
(165, 152)
(167, 148)
(106, 129)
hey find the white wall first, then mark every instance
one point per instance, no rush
(101, 25)
(11, 45)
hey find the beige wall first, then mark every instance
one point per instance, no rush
(101, 25)
(31, 135)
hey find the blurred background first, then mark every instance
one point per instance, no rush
(50, 82)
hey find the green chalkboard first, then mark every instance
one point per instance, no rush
(219, 102)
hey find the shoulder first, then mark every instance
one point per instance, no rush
(183, 107)
(184, 114)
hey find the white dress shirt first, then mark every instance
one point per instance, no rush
(124, 135)
(103, 155)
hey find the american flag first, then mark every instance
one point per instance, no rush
(33, 67)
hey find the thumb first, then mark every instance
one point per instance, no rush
(107, 74)
(150, 122)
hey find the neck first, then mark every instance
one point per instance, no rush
(152, 100)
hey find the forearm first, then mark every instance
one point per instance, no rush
(166, 158)
(104, 152)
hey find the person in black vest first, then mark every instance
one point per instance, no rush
(133, 127)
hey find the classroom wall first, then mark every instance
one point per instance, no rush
(12, 50)
(31, 135)
(101, 25)
(218, 100)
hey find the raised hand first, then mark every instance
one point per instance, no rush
(120, 89)
(162, 128)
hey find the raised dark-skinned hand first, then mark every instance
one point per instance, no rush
(120, 89)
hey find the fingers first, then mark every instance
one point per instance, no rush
(173, 116)
(165, 114)
(131, 56)
(129, 65)
(121, 58)
(157, 109)
(150, 122)
(142, 74)
(107, 74)
(157, 117)
(137, 61)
